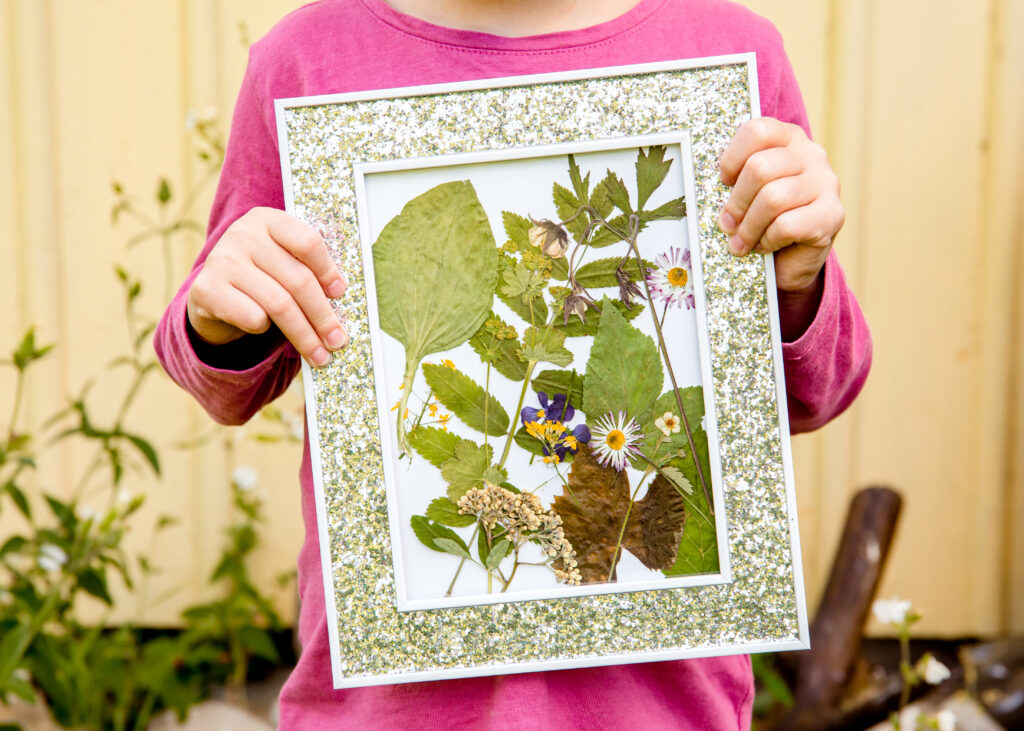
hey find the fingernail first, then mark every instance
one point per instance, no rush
(736, 245)
(726, 221)
(336, 339)
(336, 288)
(321, 357)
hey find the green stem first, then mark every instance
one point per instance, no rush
(462, 562)
(410, 375)
(515, 416)
(622, 531)
(487, 402)
(515, 567)
(19, 394)
(904, 667)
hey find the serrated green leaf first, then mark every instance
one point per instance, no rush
(435, 445)
(651, 170)
(604, 235)
(580, 185)
(517, 228)
(698, 547)
(444, 511)
(554, 382)
(673, 210)
(567, 206)
(456, 548)
(624, 372)
(546, 346)
(617, 192)
(677, 478)
(518, 282)
(465, 398)
(470, 467)
(498, 553)
(601, 272)
(428, 531)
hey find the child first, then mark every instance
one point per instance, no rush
(257, 299)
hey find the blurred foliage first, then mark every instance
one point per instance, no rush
(97, 676)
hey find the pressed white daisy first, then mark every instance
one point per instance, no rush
(670, 279)
(614, 439)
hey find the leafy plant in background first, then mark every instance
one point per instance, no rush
(95, 676)
(543, 276)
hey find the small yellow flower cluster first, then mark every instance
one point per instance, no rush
(500, 330)
(551, 433)
(559, 293)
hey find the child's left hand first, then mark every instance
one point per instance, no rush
(785, 199)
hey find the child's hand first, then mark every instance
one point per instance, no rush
(785, 199)
(269, 267)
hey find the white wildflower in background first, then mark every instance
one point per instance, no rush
(946, 720)
(51, 557)
(124, 497)
(933, 671)
(245, 477)
(909, 717)
(85, 513)
(891, 611)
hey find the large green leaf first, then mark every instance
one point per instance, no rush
(434, 445)
(698, 547)
(624, 372)
(444, 511)
(466, 399)
(436, 268)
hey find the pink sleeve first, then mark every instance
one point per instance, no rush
(233, 381)
(827, 365)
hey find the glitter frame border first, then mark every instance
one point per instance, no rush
(763, 608)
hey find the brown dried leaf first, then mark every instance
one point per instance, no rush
(594, 506)
(656, 525)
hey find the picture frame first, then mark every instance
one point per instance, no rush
(558, 436)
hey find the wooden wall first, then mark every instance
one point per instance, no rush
(919, 102)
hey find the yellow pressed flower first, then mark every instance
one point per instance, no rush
(443, 418)
(447, 362)
(433, 409)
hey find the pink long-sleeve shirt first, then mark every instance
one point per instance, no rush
(338, 46)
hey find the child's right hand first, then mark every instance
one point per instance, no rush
(269, 267)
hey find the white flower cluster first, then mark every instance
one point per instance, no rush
(891, 611)
(519, 514)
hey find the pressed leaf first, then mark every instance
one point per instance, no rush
(470, 467)
(436, 268)
(465, 398)
(617, 192)
(530, 443)
(444, 511)
(580, 185)
(567, 206)
(554, 382)
(578, 329)
(601, 273)
(677, 478)
(497, 554)
(519, 282)
(546, 346)
(673, 210)
(624, 372)
(482, 549)
(692, 398)
(435, 445)
(698, 548)
(651, 170)
(594, 506)
(535, 312)
(456, 548)
(429, 532)
(502, 354)
(517, 228)
(604, 236)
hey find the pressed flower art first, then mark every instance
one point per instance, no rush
(548, 419)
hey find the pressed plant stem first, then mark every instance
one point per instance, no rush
(515, 416)
(515, 567)
(410, 375)
(462, 562)
(622, 531)
(487, 402)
